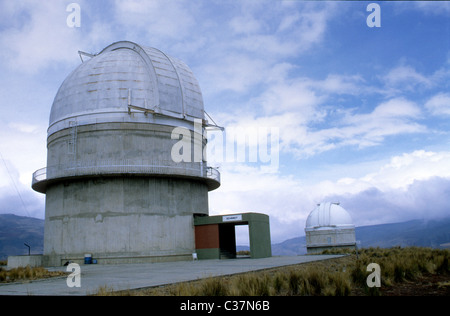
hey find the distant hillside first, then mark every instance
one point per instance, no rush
(421, 233)
(17, 230)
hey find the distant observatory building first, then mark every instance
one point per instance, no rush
(113, 189)
(329, 226)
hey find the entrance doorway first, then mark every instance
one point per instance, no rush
(242, 241)
(215, 236)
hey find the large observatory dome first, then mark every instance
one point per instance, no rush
(127, 77)
(116, 114)
(328, 215)
(126, 172)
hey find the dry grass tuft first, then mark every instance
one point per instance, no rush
(27, 273)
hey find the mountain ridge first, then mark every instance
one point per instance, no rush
(421, 233)
(16, 230)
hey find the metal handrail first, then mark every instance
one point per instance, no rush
(213, 173)
(125, 167)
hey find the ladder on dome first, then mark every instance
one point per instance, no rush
(72, 143)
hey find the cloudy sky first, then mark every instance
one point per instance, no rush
(360, 114)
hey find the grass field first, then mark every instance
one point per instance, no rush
(27, 273)
(403, 271)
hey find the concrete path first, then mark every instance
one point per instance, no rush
(134, 276)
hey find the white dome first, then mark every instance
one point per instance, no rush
(124, 73)
(328, 215)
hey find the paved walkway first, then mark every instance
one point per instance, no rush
(134, 276)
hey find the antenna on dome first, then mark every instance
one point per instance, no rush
(80, 53)
(213, 126)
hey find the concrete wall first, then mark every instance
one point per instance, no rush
(259, 233)
(23, 261)
(221, 235)
(207, 237)
(207, 243)
(123, 216)
(322, 239)
(130, 144)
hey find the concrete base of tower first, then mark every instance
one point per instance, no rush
(54, 260)
(61, 260)
(122, 220)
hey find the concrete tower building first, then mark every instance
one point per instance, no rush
(329, 226)
(113, 188)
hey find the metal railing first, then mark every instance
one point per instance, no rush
(213, 174)
(110, 167)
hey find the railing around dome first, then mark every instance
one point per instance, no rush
(39, 175)
(213, 174)
(108, 167)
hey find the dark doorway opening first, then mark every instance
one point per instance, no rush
(215, 236)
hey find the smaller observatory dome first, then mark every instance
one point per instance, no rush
(329, 226)
(328, 215)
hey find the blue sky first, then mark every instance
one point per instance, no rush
(362, 113)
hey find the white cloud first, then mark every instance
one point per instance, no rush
(23, 145)
(236, 72)
(409, 186)
(24, 127)
(42, 38)
(340, 84)
(245, 25)
(312, 27)
(403, 170)
(36, 35)
(433, 7)
(16, 197)
(158, 20)
(289, 21)
(283, 31)
(439, 104)
(397, 107)
(246, 189)
(251, 48)
(405, 78)
(390, 118)
(310, 123)
(290, 97)
(397, 190)
(423, 199)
